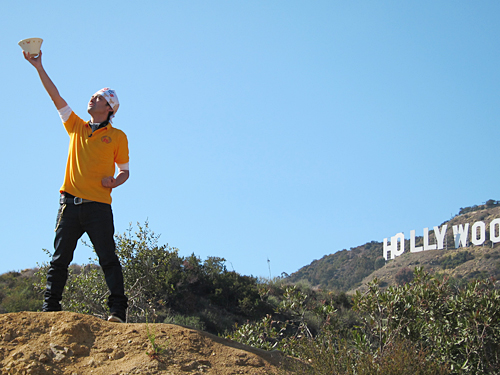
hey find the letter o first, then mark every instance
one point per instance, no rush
(493, 226)
(482, 233)
(394, 242)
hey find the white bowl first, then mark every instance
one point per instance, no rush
(31, 45)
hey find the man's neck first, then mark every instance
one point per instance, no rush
(98, 119)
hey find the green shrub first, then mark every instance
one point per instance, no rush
(453, 261)
(459, 327)
(187, 321)
(264, 334)
(379, 263)
(403, 276)
(333, 355)
(158, 281)
(17, 293)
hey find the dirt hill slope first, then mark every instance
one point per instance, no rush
(68, 343)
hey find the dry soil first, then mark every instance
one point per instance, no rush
(75, 344)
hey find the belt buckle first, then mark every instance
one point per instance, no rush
(77, 201)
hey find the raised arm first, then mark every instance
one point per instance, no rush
(46, 81)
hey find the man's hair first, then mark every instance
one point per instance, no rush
(110, 113)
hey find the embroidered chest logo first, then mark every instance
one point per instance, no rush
(106, 139)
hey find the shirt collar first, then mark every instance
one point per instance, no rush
(97, 125)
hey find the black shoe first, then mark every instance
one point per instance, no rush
(116, 317)
(51, 307)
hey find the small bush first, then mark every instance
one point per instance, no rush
(404, 275)
(451, 261)
(187, 321)
(333, 355)
(379, 262)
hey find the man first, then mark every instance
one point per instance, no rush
(85, 203)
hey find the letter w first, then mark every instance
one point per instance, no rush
(461, 233)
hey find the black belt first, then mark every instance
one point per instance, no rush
(68, 198)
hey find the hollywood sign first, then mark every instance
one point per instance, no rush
(460, 233)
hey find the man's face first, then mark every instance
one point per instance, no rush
(98, 105)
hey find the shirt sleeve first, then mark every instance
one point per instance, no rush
(123, 167)
(121, 152)
(64, 113)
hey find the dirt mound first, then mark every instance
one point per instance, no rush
(68, 343)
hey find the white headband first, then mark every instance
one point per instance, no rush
(111, 98)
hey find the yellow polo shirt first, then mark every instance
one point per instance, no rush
(91, 157)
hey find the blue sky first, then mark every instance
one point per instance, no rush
(280, 130)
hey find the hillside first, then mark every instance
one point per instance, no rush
(67, 343)
(348, 270)
(342, 270)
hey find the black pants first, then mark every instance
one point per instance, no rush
(96, 219)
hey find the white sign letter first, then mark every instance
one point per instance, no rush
(414, 249)
(482, 233)
(440, 236)
(493, 230)
(394, 242)
(387, 249)
(460, 233)
(426, 241)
